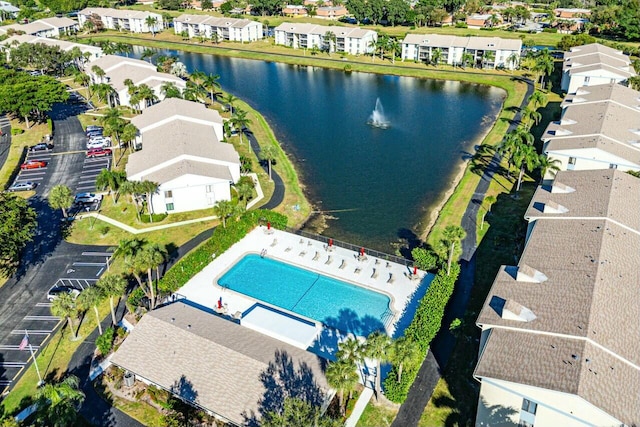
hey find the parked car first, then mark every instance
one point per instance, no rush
(33, 164)
(98, 142)
(98, 152)
(87, 198)
(94, 127)
(94, 132)
(56, 291)
(43, 146)
(22, 186)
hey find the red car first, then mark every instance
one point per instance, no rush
(33, 164)
(98, 152)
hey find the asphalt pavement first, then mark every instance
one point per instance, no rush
(5, 138)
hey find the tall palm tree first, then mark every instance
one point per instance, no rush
(111, 181)
(66, 306)
(148, 54)
(149, 188)
(112, 286)
(342, 376)
(84, 80)
(376, 348)
(466, 58)
(525, 159)
(132, 189)
(452, 235)
(487, 57)
(245, 191)
(99, 72)
(170, 90)
(268, 154)
(513, 60)
(372, 46)
(105, 92)
(538, 98)
(194, 92)
(487, 202)
(240, 121)
(91, 298)
(152, 256)
(531, 116)
(329, 40)
(151, 22)
(223, 209)
(57, 403)
(129, 133)
(544, 65)
(404, 352)
(436, 54)
(547, 164)
(211, 82)
(230, 100)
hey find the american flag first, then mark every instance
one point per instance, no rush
(24, 343)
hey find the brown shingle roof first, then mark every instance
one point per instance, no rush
(607, 193)
(220, 361)
(189, 167)
(613, 92)
(171, 107)
(564, 364)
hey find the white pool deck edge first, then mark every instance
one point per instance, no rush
(309, 254)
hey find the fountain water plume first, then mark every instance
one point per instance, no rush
(377, 117)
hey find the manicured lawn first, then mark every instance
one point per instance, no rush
(377, 415)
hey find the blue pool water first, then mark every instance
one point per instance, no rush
(337, 304)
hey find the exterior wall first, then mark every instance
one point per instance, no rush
(249, 33)
(452, 55)
(554, 408)
(189, 192)
(135, 25)
(589, 159)
(571, 83)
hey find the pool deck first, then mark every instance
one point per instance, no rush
(394, 280)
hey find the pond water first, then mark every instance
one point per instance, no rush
(377, 184)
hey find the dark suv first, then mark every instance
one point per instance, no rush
(43, 146)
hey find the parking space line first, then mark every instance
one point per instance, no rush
(17, 347)
(5, 382)
(88, 181)
(12, 364)
(31, 331)
(91, 187)
(26, 178)
(43, 318)
(97, 254)
(88, 264)
(33, 172)
(44, 304)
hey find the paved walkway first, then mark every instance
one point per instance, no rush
(359, 407)
(278, 193)
(444, 343)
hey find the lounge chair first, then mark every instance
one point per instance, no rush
(357, 270)
(377, 261)
(301, 241)
(343, 265)
(329, 260)
(391, 278)
(275, 242)
(303, 253)
(316, 256)
(288, 249)
(309, 243)
(375, 274)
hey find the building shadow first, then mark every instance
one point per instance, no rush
(494, 415)
(282, 380)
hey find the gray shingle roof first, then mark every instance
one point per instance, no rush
(607, 193)
(220, 361)
(339, 31)
(139, 75)
(179, 138)
(564, 364)
(189, 167)
(624, 151)
(107, 62)
(175, 107)
(118, 13)
(215, 21)
(471, 42)
(588, 49)
(613, 92)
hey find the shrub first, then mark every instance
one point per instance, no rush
(105, 341)
(221, 240)
(424, 259)
(156, 217)
(461, 24)
(104, 230)
(549, 30)
(348, 68)
(16, 131)
(134, 299)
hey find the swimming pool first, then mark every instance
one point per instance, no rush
(335, 303)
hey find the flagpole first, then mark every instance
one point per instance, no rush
(35, 362)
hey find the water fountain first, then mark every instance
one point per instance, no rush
(377, 117)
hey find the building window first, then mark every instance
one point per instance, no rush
(529, 406)
(586, 79)
(168, 194)
(169, 207)
(572, 161)
(528, 413)
(613, 166)
(209, 189)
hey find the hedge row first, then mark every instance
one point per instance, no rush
(423, 328)
(221, 240)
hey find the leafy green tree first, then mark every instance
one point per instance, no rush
(223, 209)
(424, 259)
(397, 11)
(211, 83)
(17, 225)
(531, 116)
(194, 92)
(466, 58)
(112, 286)
(266, 7)
(375, 10)
(61, 197)
(66, 306)
(245, 192)
(268, 153)
(206, 4)
(376, 348)
(84, 80)
(148, 54)
(436, 55)
(452, 236)
(149, 188)
(57, 403)
(91, 298)
(329, 42)
(129, 133)
(298, 413)
(404, 352)
(132, 189)
(342, 376)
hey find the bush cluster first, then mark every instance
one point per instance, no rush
(423, 328)
(105, 341)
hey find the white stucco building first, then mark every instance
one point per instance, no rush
(505, 53)
(118, 69)
(560, 343)
(599, 129)
(594, 64)
(136, 21)
(8, 11)
(47, 27)
(354, 41)
(225, 29)
(182, 152)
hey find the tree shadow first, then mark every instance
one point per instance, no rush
(411, 241)
(184, 389)
(495, 415)
(282, 380)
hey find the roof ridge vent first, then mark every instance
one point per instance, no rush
(515, 311)
(552, 207)
(530, 275)
(558, 187)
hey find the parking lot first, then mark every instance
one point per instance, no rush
(35, 175)
(77, 271)
(90, 171)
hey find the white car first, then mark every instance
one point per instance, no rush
(98, 143)
(87, 198)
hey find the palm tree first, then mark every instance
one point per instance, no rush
(194, 92)
(245, 191)
(65, 305)
(329, 40)
(146, 94)
(487, 202)
(513, 60)
(57, 404)
(436, 54)
(90, 298)
(372, 45)
(84, 80)
(230, 100)
(342, 376)
(487, 57)
(211, 82)
(538, 98)
(452, 235)
(111, 286)
(544, 65)
(526, 159)
(61, 197)
(151, 22)
(240, 121)
(393, 47)
(99, 72)
(223, 209)
(106, 93)
(547, 164)
(132, 188)
(147, 54)
(149, 188)
(403, 353)
(152, 256)
(532, 116)
(376, 348)
(111, 180)
(268, 154)
(466, 58)
(128, 134)
(170, 90)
